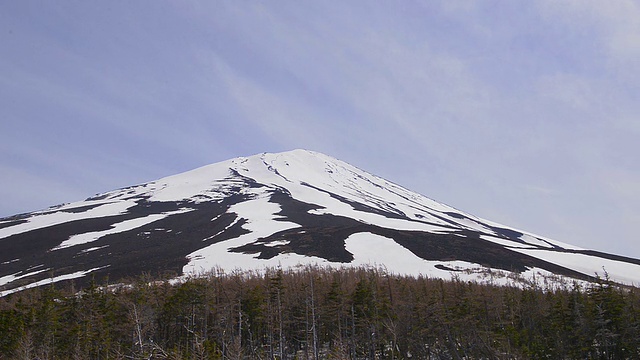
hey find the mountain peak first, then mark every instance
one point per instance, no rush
(279, 209)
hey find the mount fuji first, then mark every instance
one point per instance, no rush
(288, 209)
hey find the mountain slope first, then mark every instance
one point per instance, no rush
(285, 209)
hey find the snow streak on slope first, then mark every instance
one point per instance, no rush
(49, 281)
(67, 213)
(115, 228)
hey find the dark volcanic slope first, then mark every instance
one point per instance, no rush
(274, 210)
(159, 247)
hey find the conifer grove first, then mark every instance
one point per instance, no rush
(320, 313)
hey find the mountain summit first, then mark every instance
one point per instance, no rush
(269, 210)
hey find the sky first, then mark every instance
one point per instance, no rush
(526, 112)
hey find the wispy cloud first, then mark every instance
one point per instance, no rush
(615, 24)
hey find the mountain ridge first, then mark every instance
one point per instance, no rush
(277, 209)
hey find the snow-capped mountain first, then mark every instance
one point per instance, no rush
(286, 209)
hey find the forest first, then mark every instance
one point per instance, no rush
(320, 313)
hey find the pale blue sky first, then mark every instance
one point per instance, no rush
(522, 112)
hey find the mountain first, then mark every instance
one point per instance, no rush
(286, 209)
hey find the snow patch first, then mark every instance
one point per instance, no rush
(259, 214)
(276, 243)
(92, 249)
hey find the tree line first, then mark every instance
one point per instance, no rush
(320, 313)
